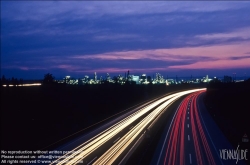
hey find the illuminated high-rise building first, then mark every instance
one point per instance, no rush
(95, 79)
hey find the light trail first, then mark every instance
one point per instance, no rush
(116, 150)
(176, 137)
(175, 146)
(85, 149)
(89, 146)
(195, 136)
(199, 127)
(23, 85)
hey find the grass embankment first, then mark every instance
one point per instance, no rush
(229, 105)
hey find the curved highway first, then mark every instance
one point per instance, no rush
(192, 137)
(112, 142)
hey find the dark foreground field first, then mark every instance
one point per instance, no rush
(35, 117)
(229, 104)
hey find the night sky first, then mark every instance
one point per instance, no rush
(79, 38)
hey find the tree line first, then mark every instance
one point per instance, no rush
(10, 81)
(48, 79)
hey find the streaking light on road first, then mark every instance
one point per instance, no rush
(85, 149)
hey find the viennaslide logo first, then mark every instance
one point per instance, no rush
(238, 154)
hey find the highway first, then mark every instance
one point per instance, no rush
(192, 137)
(112, 142)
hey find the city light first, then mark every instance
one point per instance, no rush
(131, 79)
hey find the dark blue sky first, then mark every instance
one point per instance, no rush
(78, 38)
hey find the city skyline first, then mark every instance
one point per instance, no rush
(80, 38)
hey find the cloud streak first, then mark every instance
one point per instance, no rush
(219, 64)
(78, 10)
(242, 33)
(175, 54)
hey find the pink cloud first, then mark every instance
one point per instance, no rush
(121, 37)
(24, 67)
(243, 33)
(67, 67)
(218, 51)
(219, 64)
(64, 66)
(119, 70)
